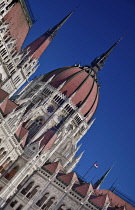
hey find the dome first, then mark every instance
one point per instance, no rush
(80, 81)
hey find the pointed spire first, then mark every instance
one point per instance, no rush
(101, 180)
(99, 62)
(54, 30)
(37, 47)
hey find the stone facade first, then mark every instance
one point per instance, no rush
(41, 126)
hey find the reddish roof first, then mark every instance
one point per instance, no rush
(85, 189)
(39, 45)
(19, 26)
(115, 208)
(80, 82)
(46, 140)
(22, 134)
(93, 108)
(101, 200)
(99, 197)
(53, 167)
(3, 95)
(7, 106)
(115, 200)
(69, 178)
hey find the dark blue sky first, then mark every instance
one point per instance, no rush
(91, 30)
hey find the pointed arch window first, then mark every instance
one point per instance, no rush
(13, 203)
(49, 203)
(42, 200)
(35, 126)
(27, 188)
(12, 173)
(32, 192)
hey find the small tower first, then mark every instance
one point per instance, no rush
(37, 47)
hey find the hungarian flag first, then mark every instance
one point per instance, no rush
(95, 165)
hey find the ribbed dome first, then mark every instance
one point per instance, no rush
(80, 81)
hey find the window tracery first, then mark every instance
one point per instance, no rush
(27, 188)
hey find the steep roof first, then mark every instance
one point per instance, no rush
(18, 23)
(38, 46)
(85, 189)
(115, 200)
(100, 200)
(46, 140)
(8, 106)
(79, 81)
(3, 95)
(52, 167)
(22, 134)
(69, 178)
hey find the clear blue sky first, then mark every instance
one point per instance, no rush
(91, 30)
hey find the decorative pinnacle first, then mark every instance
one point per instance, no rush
(113, 46)
(99, 62)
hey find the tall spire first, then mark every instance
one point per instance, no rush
(99, 182)
(37, 47)
(99, 62)
(54, 30)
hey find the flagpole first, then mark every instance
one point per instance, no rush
(89, 169)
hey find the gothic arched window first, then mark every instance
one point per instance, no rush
(42, 200)
(49, 203)
(27, 188)
(13, 203)
(35, 126)
(11, 173)
(32, 192)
